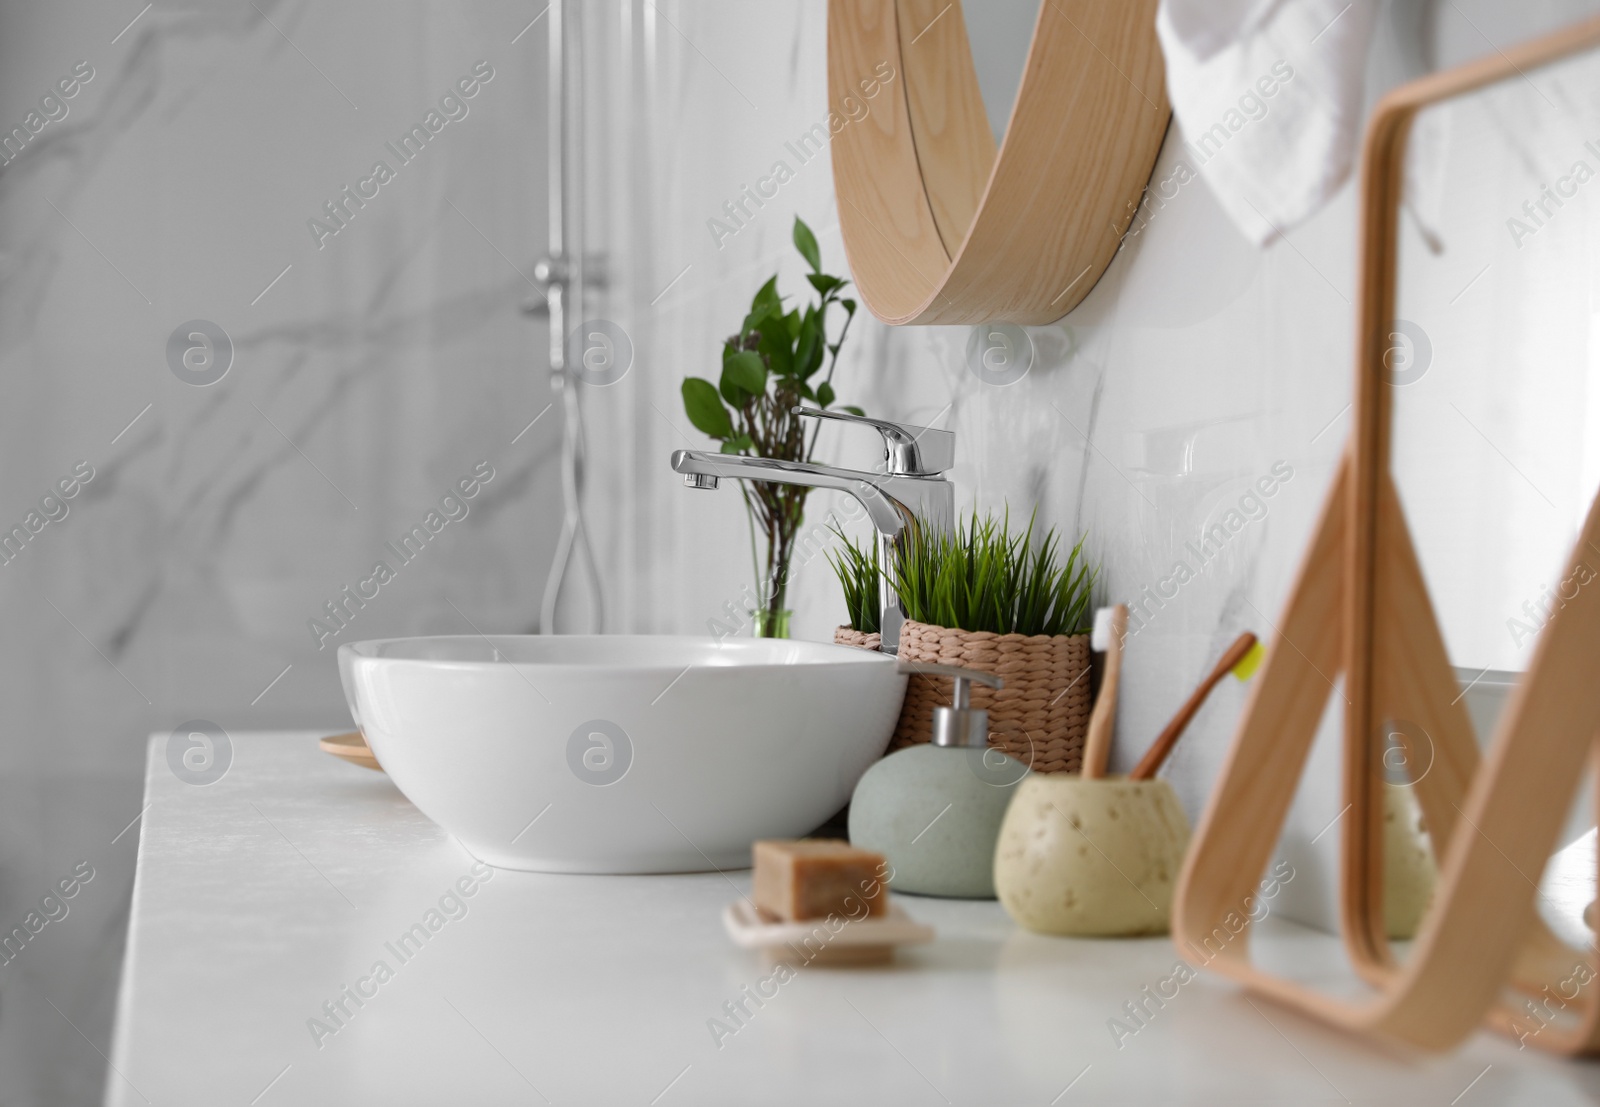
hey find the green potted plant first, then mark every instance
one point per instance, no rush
(768, 369)
(859, 576)
(988, 597)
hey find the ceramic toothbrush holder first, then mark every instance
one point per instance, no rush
(1091, 858)
(1409, 872)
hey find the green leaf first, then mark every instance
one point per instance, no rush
(806, 243)
(743, 375)
(853, 410)
(808, 346)
(848, 305)
(704, 408)
(766, 298)
(815, 361)
(823, 283)
(757, 320)
(778, 348)
(824, 393)
(738, 445)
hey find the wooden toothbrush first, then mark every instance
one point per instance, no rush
(1241, 659)
(1110, 628)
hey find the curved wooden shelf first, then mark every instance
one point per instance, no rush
(938, 228)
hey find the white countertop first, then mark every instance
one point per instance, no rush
(260, 897)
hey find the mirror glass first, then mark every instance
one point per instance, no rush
(999, 36)
(1494, 366)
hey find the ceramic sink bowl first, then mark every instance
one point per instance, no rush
(621, 754)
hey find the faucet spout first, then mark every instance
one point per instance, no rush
(889, 516)
(896, 502)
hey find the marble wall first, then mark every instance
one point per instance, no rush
(374, 365)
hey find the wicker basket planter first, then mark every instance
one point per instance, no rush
(844, 636)
(1042, 714)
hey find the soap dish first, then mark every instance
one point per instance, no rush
(351, 747)
(814, 942)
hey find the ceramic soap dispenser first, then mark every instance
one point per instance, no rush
(934, 811)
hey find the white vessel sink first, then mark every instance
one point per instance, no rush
(621, 754)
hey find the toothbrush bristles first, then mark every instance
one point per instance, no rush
(1100, 637)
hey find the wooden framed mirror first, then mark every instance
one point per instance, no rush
(1380, 602)
(942, 222)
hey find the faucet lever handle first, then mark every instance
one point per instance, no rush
(910, 451)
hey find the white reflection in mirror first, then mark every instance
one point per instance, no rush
(1495, 357)
(1495, 374)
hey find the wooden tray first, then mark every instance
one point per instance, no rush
(351, 747)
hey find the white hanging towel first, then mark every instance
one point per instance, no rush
(1269, 97)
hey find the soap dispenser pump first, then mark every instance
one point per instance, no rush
(934, 810)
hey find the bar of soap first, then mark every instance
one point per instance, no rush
(814, 878)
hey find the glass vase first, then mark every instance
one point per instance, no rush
(771, 624)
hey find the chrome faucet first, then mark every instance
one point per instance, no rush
(909, 493)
